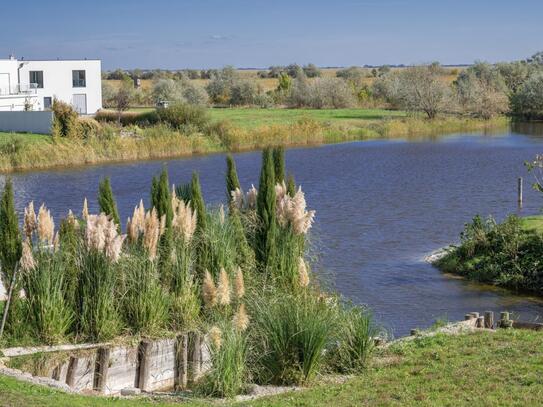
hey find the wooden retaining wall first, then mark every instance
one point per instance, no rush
(166, 364)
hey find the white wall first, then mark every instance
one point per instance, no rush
(29, 122)
(8, 76)
(57, 81)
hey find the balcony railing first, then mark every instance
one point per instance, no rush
(22, 89)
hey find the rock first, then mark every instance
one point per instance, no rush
(130, 391)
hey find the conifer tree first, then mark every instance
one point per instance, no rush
(265, 207)
(291, 185)
(232, 180)
(279, 164)
(106, 201)
(10, 238)
(161, 197)
(197, 201)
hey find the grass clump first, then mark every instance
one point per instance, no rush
(504, 254)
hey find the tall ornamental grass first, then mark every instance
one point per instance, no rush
(293, 332)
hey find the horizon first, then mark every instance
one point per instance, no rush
(212, 34)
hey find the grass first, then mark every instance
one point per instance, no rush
(533, 223)
(252, 118)
(249, 129)
(500, 368)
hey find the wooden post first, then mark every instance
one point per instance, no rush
(195, 356)
(519, 191)
(505, 322)
(182, 361)
(480, 322)
(474, 315)
(489, 320)
(70, 374)
(467, 317)
(144, 364)
(8, 301)
(102, 367)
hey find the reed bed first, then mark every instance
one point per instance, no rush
(238, 273)
(160, 141)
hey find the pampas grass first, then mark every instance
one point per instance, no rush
(223, 288)
(209, 291)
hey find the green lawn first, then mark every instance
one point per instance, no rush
(501, 368)
(6, 138)
(250, 118)
(533, 223)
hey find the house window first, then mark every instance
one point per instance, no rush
(36, 79)
(78, 79)
(47, 102)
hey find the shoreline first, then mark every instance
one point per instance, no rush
(65, 153)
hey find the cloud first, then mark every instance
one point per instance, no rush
(218, 37)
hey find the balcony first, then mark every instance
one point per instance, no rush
(19, 90)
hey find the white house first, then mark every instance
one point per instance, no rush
(33, 85)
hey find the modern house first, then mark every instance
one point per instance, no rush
(33, 85)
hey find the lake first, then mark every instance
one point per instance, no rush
(382, 206)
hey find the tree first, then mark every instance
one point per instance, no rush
(161, 197)
(123, 98)
(285, 83)
(197, 201)
(106, 201)
(279, 164)
(481, 91)
(527, 102)
(422, 90)
(291, 186)
(232, 180)
(10, 238)
(265, 208)
(311, 71)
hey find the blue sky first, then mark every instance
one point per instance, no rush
(213, 33)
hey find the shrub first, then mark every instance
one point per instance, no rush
(10, 238)
(292, 332)
(90, 127)
(527, 102)
(65, 121)
(107, 202)
(320, 93)
(142, 119)
(182, 116)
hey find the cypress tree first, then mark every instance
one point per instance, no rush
(107, 203)
(10, 238)
(291, 185)
(232, 180)
(265, 207)
(197, 201)
(279, 164)
(161, 197)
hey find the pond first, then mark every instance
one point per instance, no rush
(382, 206)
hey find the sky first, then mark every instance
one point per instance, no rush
(253, 33)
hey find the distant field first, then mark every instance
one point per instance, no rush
(250, 118)
(267, 84)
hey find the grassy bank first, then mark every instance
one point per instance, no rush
(232, 130)
(501, 368)
(506, 254)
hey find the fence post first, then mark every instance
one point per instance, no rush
(102, 367)
(182, 361)
(489, 319)
(519, 191)
(144, 364)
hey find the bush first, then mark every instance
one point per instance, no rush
(181, 116)
(527, 102)
(321, 93)
(141, 119)
(65, 121)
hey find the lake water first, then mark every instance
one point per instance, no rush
(382, 206)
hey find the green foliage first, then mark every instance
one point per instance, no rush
(265, 208)
(279, 164)
(527, 102)
(97, 311)
(291, 185)
(10, 238)
(185, 117)
(355, 340)
(293, 332)
(232, 180)
(106, 201)
(65, 121)
(145, 304)
(228, 373)
(504, 254)
(161, 197)
(49, 311)
(197, 201)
